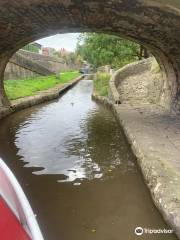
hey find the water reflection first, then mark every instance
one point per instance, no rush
(68, 138)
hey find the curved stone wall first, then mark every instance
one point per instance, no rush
(153, 23)
(138, 83)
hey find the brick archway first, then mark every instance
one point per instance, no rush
(153, 23)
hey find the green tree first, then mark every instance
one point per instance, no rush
(103, 49)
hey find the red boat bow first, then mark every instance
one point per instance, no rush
(17, 220)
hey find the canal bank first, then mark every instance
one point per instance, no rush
(42, 96)
(154, 136)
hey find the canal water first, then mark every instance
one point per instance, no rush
(77, 169)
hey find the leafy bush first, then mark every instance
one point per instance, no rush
(101, 83)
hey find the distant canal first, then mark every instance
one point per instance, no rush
(74, 163)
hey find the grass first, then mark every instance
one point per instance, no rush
(101, 84)
(28, 87)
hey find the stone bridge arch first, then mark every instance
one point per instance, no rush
(153, 23)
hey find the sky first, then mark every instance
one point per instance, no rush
(67, 41)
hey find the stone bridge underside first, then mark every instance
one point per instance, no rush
(153, 23)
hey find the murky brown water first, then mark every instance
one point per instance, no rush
(78, 171)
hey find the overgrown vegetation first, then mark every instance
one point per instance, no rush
(102, 49)
(28, 87)
(31, 47)
(101, 83)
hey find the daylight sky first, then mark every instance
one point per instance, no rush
(67, 41)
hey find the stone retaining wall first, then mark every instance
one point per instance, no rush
(137, 83)
(21, 67)
(54, 64)
(14, 71)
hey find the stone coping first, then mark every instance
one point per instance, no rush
(40, 97)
